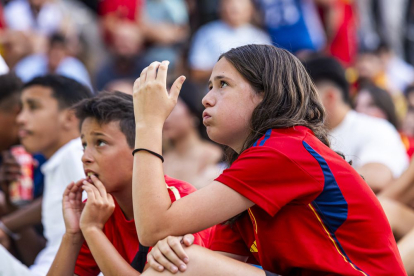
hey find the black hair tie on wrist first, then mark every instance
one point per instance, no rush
(150, 151)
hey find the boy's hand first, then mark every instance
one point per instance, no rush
(99, 206)
(152, 102)
(169, 254)
(72, 207)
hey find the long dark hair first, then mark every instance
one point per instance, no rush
(289, 95)
(383, 100)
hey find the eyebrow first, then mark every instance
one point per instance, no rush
(95, 133)
(220, 77)
(32, 101)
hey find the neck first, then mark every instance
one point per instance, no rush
(336, 117)
(187, 142)
(124, 200)
(66, 137)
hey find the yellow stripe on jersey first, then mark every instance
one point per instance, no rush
(334, 243)
(175, 192)
(253, 248)
(253, 219)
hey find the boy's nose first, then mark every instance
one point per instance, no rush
(87, 157)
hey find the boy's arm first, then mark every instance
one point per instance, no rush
(65, 260)
(99, 207)
(105, 254)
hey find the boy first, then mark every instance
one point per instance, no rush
(48, 126)
(102, 230)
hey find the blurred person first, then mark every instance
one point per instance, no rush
(121, 85)
(125, 61)
(15, 46)
(3, 66)
(371, 66)
(232, 30)
(47, 125)
(340, 23)
(376, 102)
(57, 60)
(165, 25)
(189, 157)
(11, 173)
(36, 18)
(408, 122)
(293, 24)
(409, 94)
(373, 144)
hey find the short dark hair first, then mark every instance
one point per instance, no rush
(10, 87)
(67, 91)
(324, 68)
(109, 107)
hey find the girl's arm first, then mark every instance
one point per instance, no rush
(155, 216)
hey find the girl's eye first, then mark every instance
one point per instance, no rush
(223, 84)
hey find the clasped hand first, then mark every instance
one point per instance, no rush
(80, 216)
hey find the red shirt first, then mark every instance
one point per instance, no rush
(314, 215)
(123, 235)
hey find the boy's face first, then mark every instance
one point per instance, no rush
(106, 154)
(40, 121)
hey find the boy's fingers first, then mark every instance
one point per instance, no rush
(153, 263)
(152, 70)
(176, 88)
(98, 184)
(68, 189)
(162, 71)
(174, 252)
(89, 189)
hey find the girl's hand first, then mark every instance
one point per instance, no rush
(152, 102)
(169, 254)
(72, 206)
(99, 206)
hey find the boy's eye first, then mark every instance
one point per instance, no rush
(84, 146)
(101, 143)
(223, 84)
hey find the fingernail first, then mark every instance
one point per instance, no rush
(183, 267)
(160, 268)
(186, 260)
(174, 269)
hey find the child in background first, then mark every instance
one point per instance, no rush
(100, 234)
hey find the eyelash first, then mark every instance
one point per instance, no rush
(221, 85)
(97, 143)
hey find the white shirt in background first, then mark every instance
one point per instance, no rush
(365, 139)
(217, 37)
(4, 69)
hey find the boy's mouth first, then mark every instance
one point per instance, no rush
(88, 177)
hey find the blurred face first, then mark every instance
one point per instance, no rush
(127, 40)
(56, 54)
(365, 104)
(236, 12)
(106, 154)
(408, 124)
(229, 106)
(40, 121)
(8, 126)
(179, 123)
(369, 66)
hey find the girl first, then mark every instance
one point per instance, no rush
(294, 206)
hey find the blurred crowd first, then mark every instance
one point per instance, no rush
(359, 53)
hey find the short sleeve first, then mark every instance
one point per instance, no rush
(203, 52)
(227, 239)
(85, 264)
(270, 179)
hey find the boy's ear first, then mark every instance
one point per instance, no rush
(70, 121)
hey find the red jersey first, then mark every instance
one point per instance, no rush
(313, 213)
(123, 235)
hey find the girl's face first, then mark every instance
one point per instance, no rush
(179, 123)
(365, 104)
(229, 105)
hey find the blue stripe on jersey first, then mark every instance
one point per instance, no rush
(267, 135)
(330, 204)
